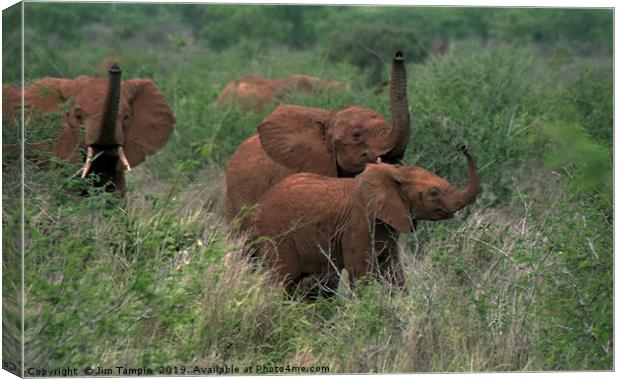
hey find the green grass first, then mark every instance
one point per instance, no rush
(521, 280)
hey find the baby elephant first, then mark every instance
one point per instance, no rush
(316, 225)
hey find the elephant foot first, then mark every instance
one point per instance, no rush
(313, 287)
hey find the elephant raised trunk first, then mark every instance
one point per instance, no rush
(108, 137)
(469, 193)
(401, 125)
(108, 134)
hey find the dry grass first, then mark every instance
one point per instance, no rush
(176, 290)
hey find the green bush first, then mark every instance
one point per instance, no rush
(587, 164)
(591, 99)
(486, 97)
(370, 48)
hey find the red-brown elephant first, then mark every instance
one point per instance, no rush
(116, 123)
(253, 93)
(296, 139)
(316, 225)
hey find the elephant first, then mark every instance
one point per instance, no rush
(313, 226)
(295, 139)
(11, 98)
(254, 93)
(118, 123)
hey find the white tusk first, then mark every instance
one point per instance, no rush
(123, 158)
(378, 159)
(90, 153)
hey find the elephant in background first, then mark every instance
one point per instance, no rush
(296, 139)
(11, 98)
(317, 225)
(253, 93)
(118, 123)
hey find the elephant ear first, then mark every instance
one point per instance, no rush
(48, 93)
(11, 98)
(383, 196)
(296, 137)
(151, 121)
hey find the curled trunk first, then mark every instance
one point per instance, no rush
(469, 193)
(401, 125)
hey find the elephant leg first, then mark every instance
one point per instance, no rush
(356, 251)
(387, 252)
(118, 180)
(312, 287)
(112, 182)
(282, 260)
(308, 287)
(391, 270)
(229, 207)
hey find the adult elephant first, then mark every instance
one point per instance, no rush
(117, 123)
(253, 93)
(296, 139)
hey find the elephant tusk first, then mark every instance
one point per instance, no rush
(378, 159)
(123, 158)
(90, 153)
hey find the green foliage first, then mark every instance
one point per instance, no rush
(370, 48)
(579, 289)
(476, 96)
(225, 26)
(590, 97)
(588, 164)
(553, 25)
(521, 280)
(221, 27)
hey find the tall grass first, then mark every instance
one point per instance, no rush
(519, 281)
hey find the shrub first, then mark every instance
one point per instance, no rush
(370, 48)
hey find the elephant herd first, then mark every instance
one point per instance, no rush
(324, 190)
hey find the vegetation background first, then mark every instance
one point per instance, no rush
(521, 280)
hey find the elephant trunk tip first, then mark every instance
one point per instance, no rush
(469, 194)
(465, 150)
(399, 55)
(114, 68)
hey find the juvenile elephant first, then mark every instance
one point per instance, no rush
(118, 123)
(253, 93)
(318, 225)
(296, 139)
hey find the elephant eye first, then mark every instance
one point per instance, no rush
(78, 115)
(357, 135)
(434, 192)
(126, 117)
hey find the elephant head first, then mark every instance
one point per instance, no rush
(118, 122)
(398, 195)
(339, 143)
